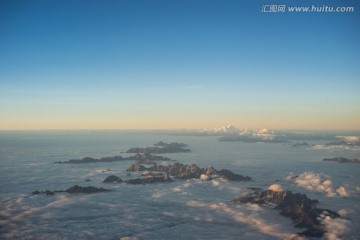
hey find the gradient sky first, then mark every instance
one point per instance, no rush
(132, 64)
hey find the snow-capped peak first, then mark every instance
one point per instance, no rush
(229, 129)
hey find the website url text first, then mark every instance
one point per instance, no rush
(309, 9)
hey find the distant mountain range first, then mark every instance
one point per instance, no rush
(229, 129)
(231, 133)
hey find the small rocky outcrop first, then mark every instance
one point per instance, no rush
(342, 160)
(161, 147)
(301, 144)
(73, 189)
(183, 171)
(47, 192)
(190, 171)
(211, 171)
(298, 207)
(89, 189)
(229, 175)
(95, 160)
(137, 167)
(112, 179)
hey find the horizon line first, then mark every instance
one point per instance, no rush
(166, 129)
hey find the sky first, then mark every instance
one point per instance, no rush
(178, 64)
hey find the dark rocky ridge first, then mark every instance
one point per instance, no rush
(298, 207)
(143, 155)
(89, 189)
(342, 160)
(73, 189)
(95, 160)
(145, 158)
(161, 147)
(183, 171)
(302, 144)
(112, 179)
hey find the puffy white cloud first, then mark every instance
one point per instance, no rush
(343, 212)
(336, 228)
(215, 183)
(327, 183)
(342, 192)
(276, 188)
(196, 204)
(176, 189)
(316, 182)
(253, 207)
(204, 177)
(351, 139)
(187, 185)
(158, 194)
(330, 192)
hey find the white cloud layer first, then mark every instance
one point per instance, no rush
(250, 218)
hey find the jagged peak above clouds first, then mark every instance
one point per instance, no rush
(226, 129)
(352, 139)
(230, 129)
(257, 132)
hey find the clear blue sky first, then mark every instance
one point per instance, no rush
(177, 64)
